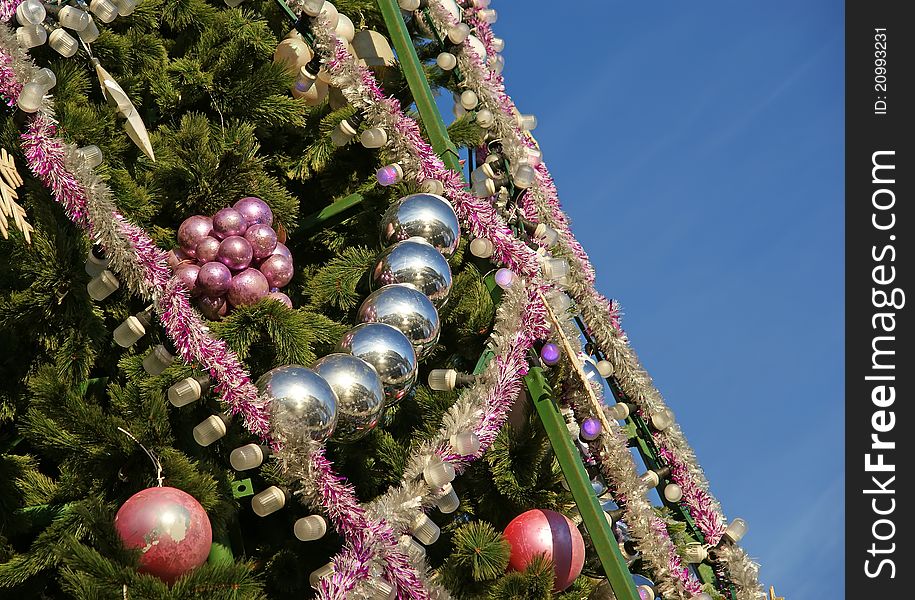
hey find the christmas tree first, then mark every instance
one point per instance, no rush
(264, 340)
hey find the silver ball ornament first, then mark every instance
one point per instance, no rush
(407, 309)
(417, 263)
(303, 406)
(428, 216)
(389, 352)
(360, 395)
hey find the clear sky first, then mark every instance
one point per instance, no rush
(698, 148)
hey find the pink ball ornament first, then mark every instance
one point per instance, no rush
(235, 252)
(278, 270)
(262, 239)
(282, 250)
(192, 230)
(248, 287)
(177, 257)
(214, 279)
(228, 222)
(255, 211)
(213, 309)
(187, 274)
(171, 529)
(281, 297)
(549, 533)
(206, 250)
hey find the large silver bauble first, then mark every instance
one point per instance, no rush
(389, 351)
(407, 309)
(303, 406)
(428, 216)
(360, 395)
(414, 262)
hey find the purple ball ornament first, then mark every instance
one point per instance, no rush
(389, 174)
(590, 429)
(213, 309)
(550, 354)
(228, 222)
(262, 239)
(235, 252)
(278, 270)
(207, 248)
(214, 279)
(192, 230)
(247, 287)
(281, 297)
(504, 278)
(282, 250)
(177, 257)
(187, 274)
(255, 211)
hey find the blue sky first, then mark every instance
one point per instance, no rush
(698, 148)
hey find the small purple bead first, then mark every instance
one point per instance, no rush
(207, 248)
(214, 279)
(228, 222)
(255, 211)
(278, 270)
(235, 252)
(504, 278)
(262, 239)
(247, 287)
(590, 429)
(550, 354)
(388, 175)
(192, 230)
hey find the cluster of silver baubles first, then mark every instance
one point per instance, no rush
(343, 395)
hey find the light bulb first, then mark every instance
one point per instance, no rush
(483, 189)
(446, 61)
(374, 137)
(210, 429)
(63, 43)
(448, 501)
(92, 154)
(555, 268)
(133, 328)
(249, 456)
(498, 44)
(409, 5)
(30, 98)
(694, 554)
(524, 177)
(31, 12)
(650, 480)
(125, 7)
(497, 64)
(469, 99)
(424, 529)
(550, 354)
(342, 134)
(605, 368)
(312, 8)
(412, 548)
(345, 29)
(310, 528)
(590, 429)
(97, 261)
(485, 118)
(489, 15)
(673, 492)
(560, 302)
(432, 186)
(505, 278)
(315, 577)
(188, 390)
(662, 419)
(481, 247)
(105, 10)
(438, 472)
(158, 360)
(466, 443)
(527, 122)
(102, 285)
(458, 33)
(269, 501)
(90, 33)
(31, 36)
(618, 411)
(73, 18)
(379, 589)
(646, 592)
(736, 530)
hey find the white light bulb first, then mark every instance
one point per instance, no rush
(102, 285)
(485, 118)
(90, 33)
(448, 501)
(425, 530)
(458, 33)
(469, 99)
(30, 98)
(269, 501)
(673, 492)
(314, 579)
(249, 456)
(158, 360)
(736, 530)
(481, 247)
(105, 10)
(310, 528)
(498, 44)
(438, 472)
(618, 411)
(73, 18)
(409, 5)
(312, 8)
(466, 443)
(446, 61)
(605, 368)
(210, 429)
(63, 43)
(374, 137)
(31, 36)
(132, 329)
(31, 12)
(92, 154)
(433, 186)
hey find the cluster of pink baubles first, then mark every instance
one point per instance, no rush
(232, 258)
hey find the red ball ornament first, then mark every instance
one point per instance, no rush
(549, 533)
(170, 528)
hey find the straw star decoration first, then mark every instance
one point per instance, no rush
(10, 210)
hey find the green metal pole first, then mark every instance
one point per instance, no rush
(333, 213)
(419, 85)
(580, 485)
